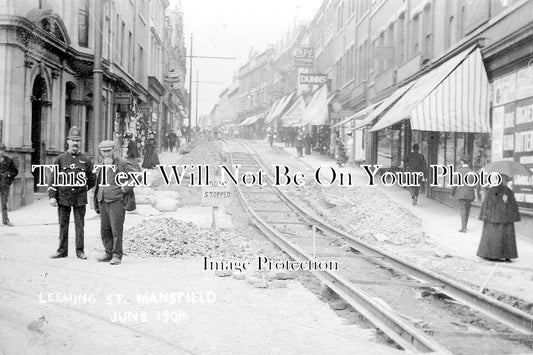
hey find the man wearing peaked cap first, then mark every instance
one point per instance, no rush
(464, 194)
(71, 194)
(112, 201)
(8, 171)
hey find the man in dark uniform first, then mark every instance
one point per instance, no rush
(73, 196)
(111, 202)
(8, 171)
(464, 194)
(415, 162)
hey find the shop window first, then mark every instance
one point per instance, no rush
(384, 148)
(481, 150)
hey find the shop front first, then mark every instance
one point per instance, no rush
(512, 119)
(446, 112)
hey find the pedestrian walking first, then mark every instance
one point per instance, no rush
(341, 151)
(112, 201)
(68, 195)
(307, 144)
(132, 154)
(150, 158)
(415, 162)
(172, 141)
(8, 172)
(499, 211)
(270, 138)
(463, 193)
(299, 144)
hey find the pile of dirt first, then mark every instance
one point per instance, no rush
(366, 213)
(168, 237)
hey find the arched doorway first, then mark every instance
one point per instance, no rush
(38, 99)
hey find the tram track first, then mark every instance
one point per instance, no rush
(290, 226)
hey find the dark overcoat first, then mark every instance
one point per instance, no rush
(72, 195)
(8, 171)
(499, 206)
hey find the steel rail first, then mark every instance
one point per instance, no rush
(510, 316)
(401, 332)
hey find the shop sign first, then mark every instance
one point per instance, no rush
(144, 108)
(315, 79)
(304, 56)
(122, 98)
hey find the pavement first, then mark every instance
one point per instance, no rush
(441, 224)
(150, 305)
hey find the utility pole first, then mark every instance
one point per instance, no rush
(190, 92)
(191, 56)
(196, 109)
(97, 76)
(197, 84)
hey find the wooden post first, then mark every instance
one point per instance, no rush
(214, 215)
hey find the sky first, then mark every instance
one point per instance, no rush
(230, 28)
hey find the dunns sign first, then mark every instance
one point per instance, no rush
(313, 78)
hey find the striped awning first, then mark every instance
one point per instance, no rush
(272, 109)
(251, 120)
(384, 105)
(295, 114)
(317, 111)
(280, 108)
(358, 115)
(454, 97)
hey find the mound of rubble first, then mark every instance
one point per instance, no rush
(168, 237)
(367, 213)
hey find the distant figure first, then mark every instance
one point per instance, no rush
(349, 147)
(299, 144)
(150, 158)
(166, 141)
(270, 138)
(8, 171)
(341, 151)
(307, 144)
(464, 194)
(415, 162)
(132, 153)
(172, 141)
(498, 212)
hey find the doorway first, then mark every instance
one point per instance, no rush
(39, 97)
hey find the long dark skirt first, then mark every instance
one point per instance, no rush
(497, 241)
(150, 159)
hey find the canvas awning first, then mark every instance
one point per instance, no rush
(284, 102)
(251, 120)
(384, 105)
(272, 109)
(358, 115)
(454, 97)
(317, 111)
(295, 113)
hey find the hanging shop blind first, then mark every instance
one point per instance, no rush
(317, 112)
(453, 97)
(384, 105)
(272, 109)
(295, 113)
(284, 102)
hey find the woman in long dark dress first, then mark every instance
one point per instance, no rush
(498, 212)
(150, 158)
